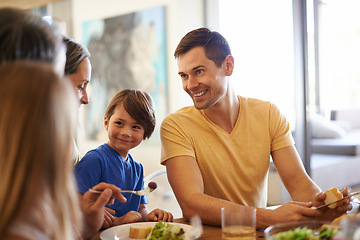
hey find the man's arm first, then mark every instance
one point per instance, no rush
(187, 183)
(292, 173)
(301, 187)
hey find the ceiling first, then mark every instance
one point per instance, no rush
(24, 4)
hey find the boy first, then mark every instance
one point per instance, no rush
(129, 119)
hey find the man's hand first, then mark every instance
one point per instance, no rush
(288, 212)
(329, 214)
(295, 211)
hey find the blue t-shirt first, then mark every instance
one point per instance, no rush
(104, 164)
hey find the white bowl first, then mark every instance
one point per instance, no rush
(271, 231)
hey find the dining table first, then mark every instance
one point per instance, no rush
(214, 232)
(209, 232)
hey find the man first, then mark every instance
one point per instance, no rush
(217, 152)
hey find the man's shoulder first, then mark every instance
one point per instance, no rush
(254, 104)
(184, 118)
(185, 110)
(253, 101)
(182, 113)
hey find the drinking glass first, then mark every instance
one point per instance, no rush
(238, 223)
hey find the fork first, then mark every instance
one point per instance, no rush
(151, 187)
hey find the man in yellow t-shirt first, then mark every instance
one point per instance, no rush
(217, 152)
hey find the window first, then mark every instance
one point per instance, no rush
(339, 54)
(260, 34)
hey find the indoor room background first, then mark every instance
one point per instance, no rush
(303, 55)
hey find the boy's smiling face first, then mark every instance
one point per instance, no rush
(124, 132)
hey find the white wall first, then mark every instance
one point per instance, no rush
(181, 17)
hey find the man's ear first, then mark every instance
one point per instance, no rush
(229, 65)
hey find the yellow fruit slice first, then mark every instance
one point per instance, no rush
(332, 195)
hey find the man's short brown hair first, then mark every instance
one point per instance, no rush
(216, 46)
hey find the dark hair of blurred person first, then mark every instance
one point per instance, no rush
(25, 36)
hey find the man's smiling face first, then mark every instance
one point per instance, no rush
(205, 82)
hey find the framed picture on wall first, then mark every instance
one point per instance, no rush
(127, 51)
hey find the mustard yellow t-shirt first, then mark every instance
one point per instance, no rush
(234, 166)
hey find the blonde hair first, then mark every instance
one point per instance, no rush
(36, 125)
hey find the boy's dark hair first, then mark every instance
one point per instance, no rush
(216, 46)
(139, 105)
(27, 37)
(75, 54)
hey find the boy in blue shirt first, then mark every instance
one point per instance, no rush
(129, 119)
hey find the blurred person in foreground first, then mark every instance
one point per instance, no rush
(217, 152)
(78, 71)
(25, 36)
(38, 195)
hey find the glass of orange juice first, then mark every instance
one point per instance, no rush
(238, 223)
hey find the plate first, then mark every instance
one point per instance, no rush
(121, 232)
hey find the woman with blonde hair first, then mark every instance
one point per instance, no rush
(38, 195)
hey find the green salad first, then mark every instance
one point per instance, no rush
(303, 233)
(166, 231)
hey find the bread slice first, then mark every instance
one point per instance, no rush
(332, 195)
(139, 232)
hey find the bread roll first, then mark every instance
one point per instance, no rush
(333, 195)
(139, 232)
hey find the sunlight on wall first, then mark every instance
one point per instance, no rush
(339, 54)
(260, 34)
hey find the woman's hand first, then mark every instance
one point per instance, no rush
(93, 206)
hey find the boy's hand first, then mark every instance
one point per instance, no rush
(109, 218)
(129, 217)
(158, 214)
